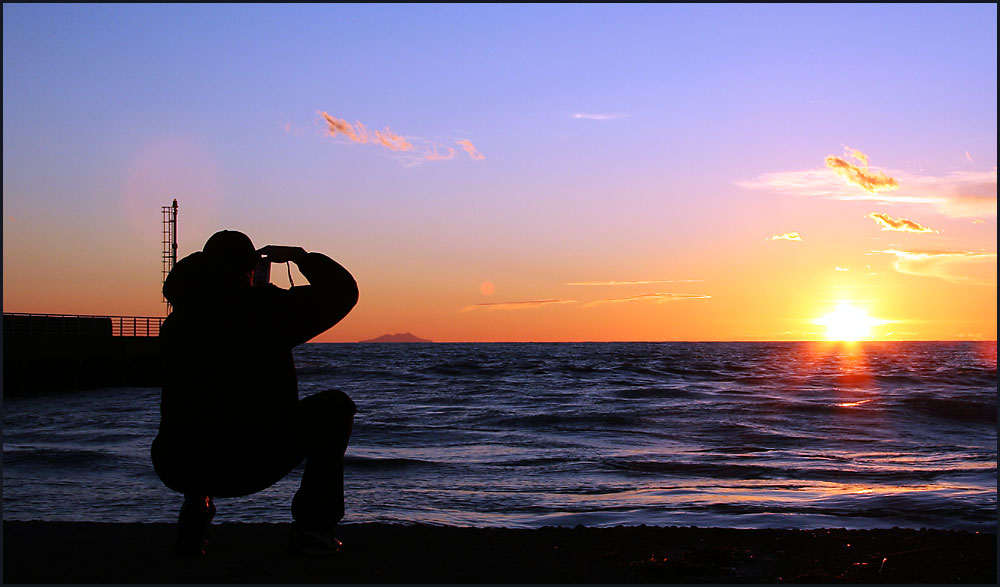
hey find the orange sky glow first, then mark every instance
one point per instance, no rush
(590, 194)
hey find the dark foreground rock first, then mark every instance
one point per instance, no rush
(58, 552)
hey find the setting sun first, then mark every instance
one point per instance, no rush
(848, 323)
(577, 212)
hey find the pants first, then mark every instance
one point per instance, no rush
(326, 418)
(318, 433)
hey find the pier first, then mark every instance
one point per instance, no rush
(54, 352)
(51, 352)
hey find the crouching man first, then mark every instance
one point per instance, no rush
(231, 421)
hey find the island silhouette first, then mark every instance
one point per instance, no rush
(398, 337)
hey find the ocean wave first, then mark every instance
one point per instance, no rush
(657, 392)
(588, 421)
(763, 469)
(77, 458)
(531, 462)
(687, 469)
(359, 462)
(710, 433)
(957, 409)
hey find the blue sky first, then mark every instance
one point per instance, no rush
(608, 132)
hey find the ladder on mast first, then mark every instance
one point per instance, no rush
(169, 214)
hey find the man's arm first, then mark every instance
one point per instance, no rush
(310, 310)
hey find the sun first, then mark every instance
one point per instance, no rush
(848, 323)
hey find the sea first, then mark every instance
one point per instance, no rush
(527, 435)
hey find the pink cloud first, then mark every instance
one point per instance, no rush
(470, 149)
(387, 139)
(524, 305)
(898, 224)
(603, 283)
(967, 267)
(957, 194)
(657, 297)
(860, 175)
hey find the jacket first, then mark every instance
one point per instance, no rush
(229, 385)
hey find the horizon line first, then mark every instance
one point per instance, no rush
(648, 341)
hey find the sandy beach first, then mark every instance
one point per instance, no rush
(79, 552)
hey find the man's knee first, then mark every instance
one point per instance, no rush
(349, 405)
(343, 404)
(325, 419)
(332, 403)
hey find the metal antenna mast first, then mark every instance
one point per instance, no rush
(169, 214)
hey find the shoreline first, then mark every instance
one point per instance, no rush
(89, 552)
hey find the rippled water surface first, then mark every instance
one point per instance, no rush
(526, 435)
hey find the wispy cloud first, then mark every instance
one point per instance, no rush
(604, 283)
(841, 269)
(470, 149)
(292, 129)
(387, 139)
(337, 126)
(786, 236)
(953, 266)
(957, 194)
(897, 224)
(657, 297)
(960, 193)
(586, 116)
(434, 155)
(392, 141)
(525, 305)
(860, 175)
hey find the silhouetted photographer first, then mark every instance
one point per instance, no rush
(231, 422)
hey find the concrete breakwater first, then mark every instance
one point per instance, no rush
(45, 352)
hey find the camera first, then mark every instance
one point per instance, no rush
(262, 273)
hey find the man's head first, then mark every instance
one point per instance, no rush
(232, 250)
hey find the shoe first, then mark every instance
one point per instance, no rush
(192, 526)
(305, 542)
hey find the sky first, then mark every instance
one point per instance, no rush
(519, 172)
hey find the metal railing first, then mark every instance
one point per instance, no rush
(19, 324)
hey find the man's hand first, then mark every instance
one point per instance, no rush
(281, 254)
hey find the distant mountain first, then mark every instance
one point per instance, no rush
(398, 337)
